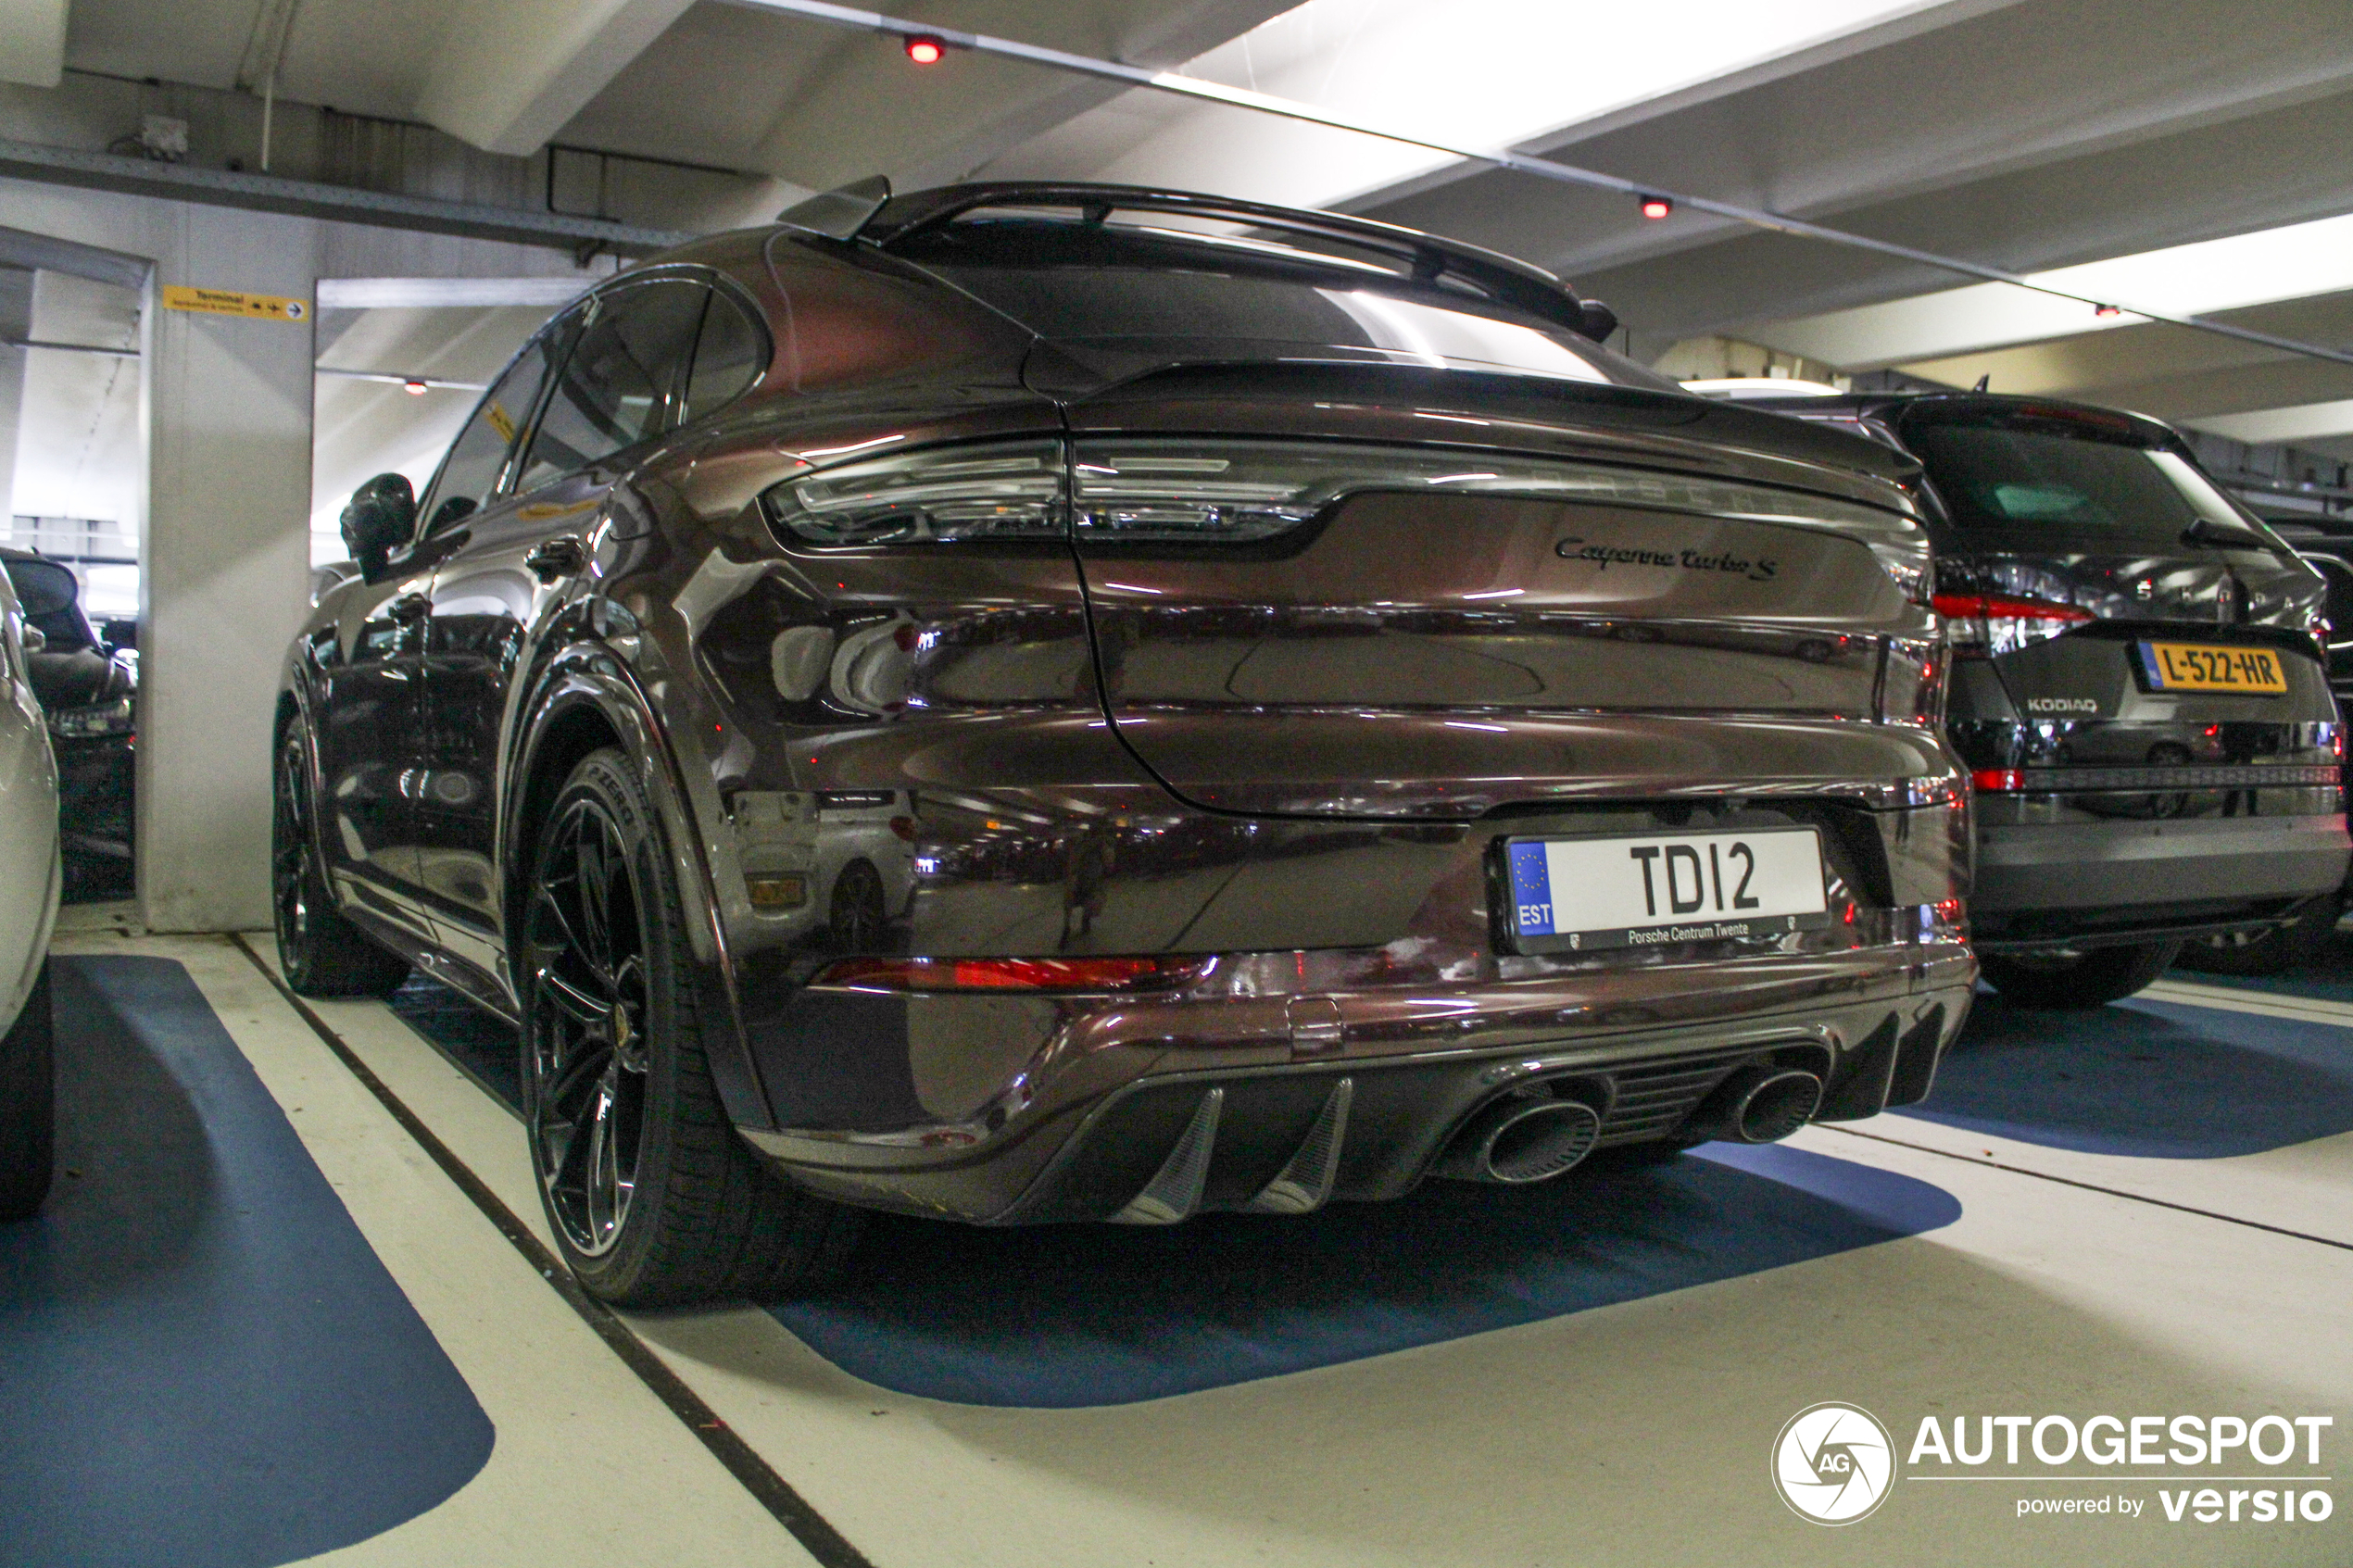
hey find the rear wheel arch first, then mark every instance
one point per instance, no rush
(562, 738)
(584, 705)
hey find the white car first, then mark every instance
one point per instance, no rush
(28, 879)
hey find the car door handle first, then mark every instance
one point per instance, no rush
(560, 557)
(409, 608)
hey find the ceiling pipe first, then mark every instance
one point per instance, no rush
(1518, 163)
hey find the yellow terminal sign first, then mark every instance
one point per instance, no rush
(235, 302)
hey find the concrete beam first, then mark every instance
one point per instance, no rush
(307, 198)
(2310, 421)
(511, 73)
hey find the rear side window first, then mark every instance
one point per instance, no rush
(472, 468)
(2075, 489)
(729, 356)
(618, 384)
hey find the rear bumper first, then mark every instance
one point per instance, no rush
(1150, 1110)
(2037, 883)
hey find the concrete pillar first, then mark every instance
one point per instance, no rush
(15, 325)
(227, 535)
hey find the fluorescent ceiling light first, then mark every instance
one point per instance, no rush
(1477, 73)
(392, 294)
(2304, 421)
(2293, 262)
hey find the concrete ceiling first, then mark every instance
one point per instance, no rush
(2027, 136)
(2024, 135)
(689, 80)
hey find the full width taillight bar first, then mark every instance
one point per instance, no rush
(1212, 490)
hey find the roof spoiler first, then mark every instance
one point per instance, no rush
(867, 210)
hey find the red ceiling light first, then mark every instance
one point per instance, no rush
(925, 50)
(1657, 207)
(415, 388)
(2107, 310)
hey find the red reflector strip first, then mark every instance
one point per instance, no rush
(1016, 975)
(1997, 781)
(2002, 607)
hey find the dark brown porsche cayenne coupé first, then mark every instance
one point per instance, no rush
(1030, 703)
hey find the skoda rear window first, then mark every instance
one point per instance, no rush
(2089, 489)
(1177, 277)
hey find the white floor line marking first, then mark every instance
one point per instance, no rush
(1991, 1164)
(2263, 1004)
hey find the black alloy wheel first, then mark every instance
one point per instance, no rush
(856, 914)
(322, 953)
(2074, 982)
(653, 1198)
(587, 1036)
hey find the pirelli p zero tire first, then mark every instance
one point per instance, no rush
(2282, 947)
(2076, 980)
(28, 1098)
(323, 954)
(653, 1198)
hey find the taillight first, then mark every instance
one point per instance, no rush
(1997, 781)
(1169, 490)
(1172, 491)
(1011, 975)
(1984, 625)
(942, 495)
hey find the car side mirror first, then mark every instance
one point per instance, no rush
(35, 639)
(380, 518)
(1595, 320)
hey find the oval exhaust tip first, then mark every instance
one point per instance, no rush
(1520, 1141)
(1777, 1105)
(1759, 1104)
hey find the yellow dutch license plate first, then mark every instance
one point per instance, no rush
(2202, 666)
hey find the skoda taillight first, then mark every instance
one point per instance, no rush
(1986, 625)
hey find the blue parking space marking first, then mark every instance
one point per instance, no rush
(1076, 1315)
(202, 1362)
(2144, 1078)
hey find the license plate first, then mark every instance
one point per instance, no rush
(1582, 894)
(2194, 667)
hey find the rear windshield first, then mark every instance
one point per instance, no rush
(2075, 489)
(1106, 281)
